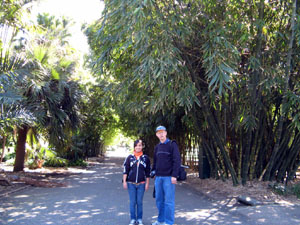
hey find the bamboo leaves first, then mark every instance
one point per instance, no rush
(220, 59)
(227, 65)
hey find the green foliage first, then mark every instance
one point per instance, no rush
(57, 94)
(36, 86)
(219, 74)
(296, 190)
(56, 162)
(292, 189)
(146, 82)
(78, 162)
(60, 162)
(39, 153)
(55, 28)
(11, 12)
(9, 156)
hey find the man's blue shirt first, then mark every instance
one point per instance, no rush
(166, 141)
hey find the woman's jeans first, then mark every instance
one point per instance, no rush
(136, 194)
(165, 199)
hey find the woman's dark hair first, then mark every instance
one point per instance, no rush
(136, 142)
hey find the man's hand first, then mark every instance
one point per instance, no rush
(173, 180)
(125, 185)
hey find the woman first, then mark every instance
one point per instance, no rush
(136, 176)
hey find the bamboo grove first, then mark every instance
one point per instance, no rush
(223, 76)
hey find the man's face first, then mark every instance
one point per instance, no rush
(162, 135)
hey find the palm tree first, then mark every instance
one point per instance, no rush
(12, 114)
(31, 96)
(52, 106)
(11, 66)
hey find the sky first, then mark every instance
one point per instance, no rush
(81, 11)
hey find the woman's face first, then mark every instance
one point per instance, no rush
(139, 147)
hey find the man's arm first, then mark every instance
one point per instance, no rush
(154, 160)
(176, 160)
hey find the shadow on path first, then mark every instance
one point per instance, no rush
(97, 197)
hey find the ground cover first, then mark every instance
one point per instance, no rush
(226, 193)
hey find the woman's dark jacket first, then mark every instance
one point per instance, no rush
(137, 170)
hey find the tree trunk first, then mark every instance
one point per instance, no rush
(3, 148)
(254, 81)
(267, 172)
(240, 156)
(293, 171)
(289, 162)
(20, 148)
(245, 163)
(259, 139)
(213, 126)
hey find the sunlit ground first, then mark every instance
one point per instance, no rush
(9, 168)
(114, 151)
(118, 152)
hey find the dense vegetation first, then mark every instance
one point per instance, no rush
(46, 110)
(223, 76)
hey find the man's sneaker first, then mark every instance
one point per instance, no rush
(140, 222)
(132, 222)
(158, 223)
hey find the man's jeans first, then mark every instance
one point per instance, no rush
(136, 194)
(165, 199)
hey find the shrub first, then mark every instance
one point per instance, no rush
(9, 156)
(292, 189)
(56, 162)
(296, 190)
(78, 162)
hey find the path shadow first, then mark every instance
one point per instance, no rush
(97, 197)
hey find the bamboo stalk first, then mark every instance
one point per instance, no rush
(267, 172)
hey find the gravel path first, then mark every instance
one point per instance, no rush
(97, 197)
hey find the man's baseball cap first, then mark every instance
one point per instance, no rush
(160, 128)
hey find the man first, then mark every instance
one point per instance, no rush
(166, 163)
